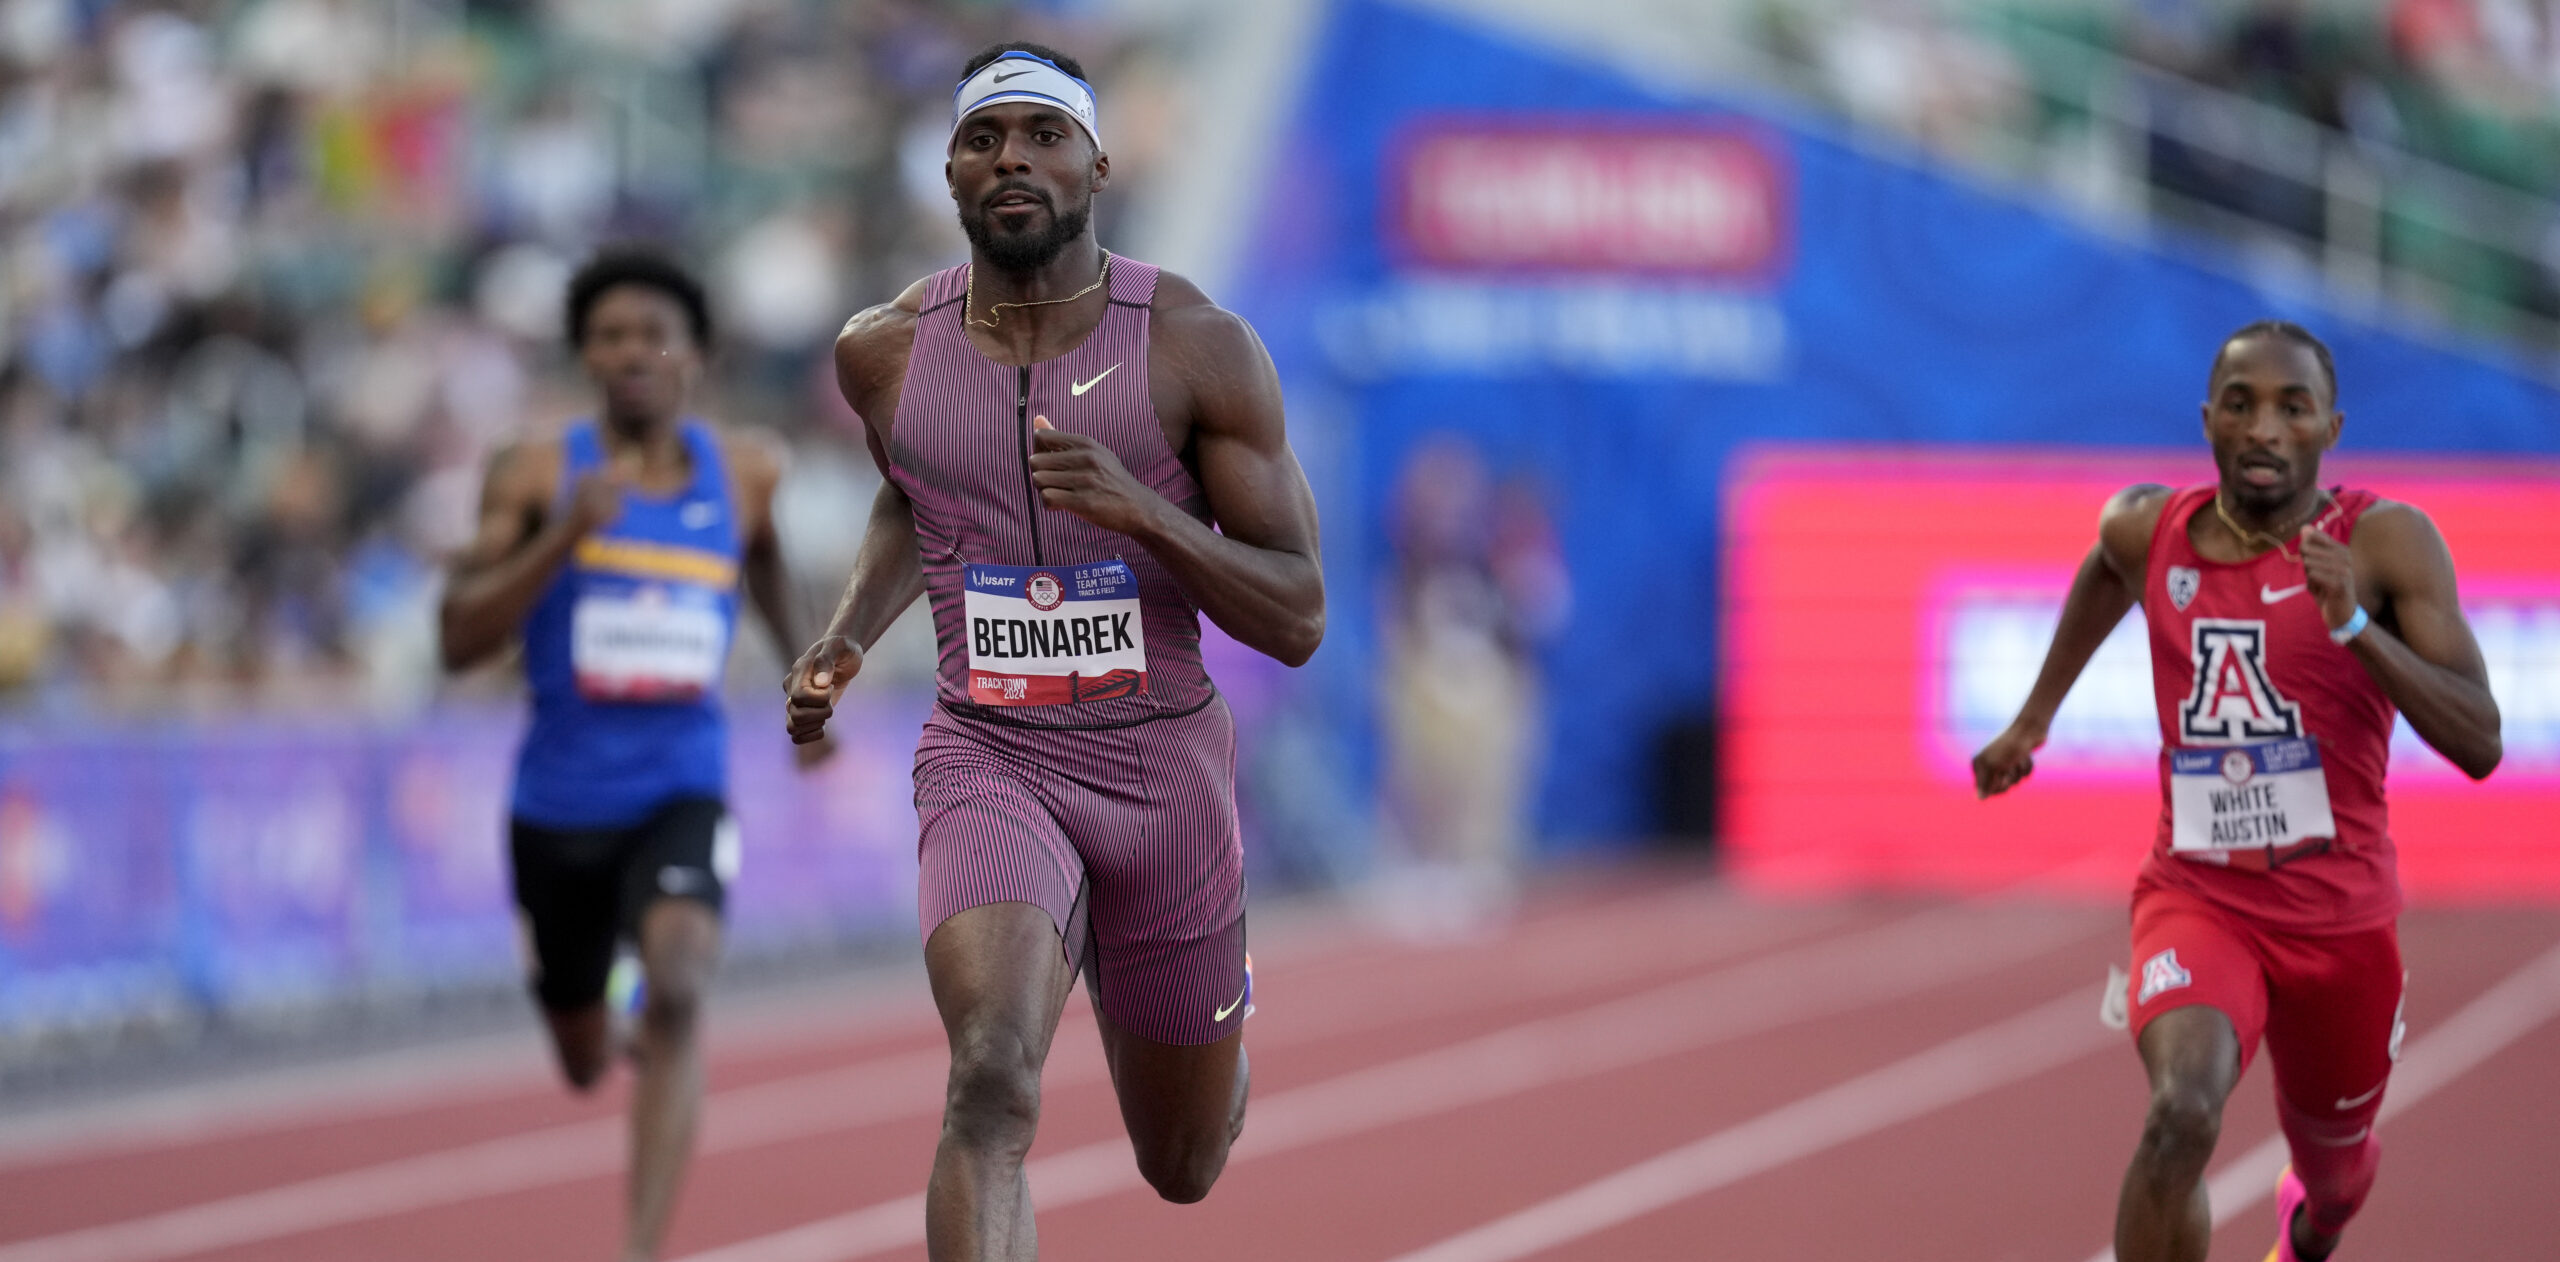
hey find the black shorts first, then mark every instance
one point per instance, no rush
(583, 889)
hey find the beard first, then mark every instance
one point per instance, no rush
(1025, 251)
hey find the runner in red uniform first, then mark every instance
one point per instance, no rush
(2288, 624)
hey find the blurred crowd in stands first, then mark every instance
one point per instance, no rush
(276, 275)
(280, 273)
(2468, 88)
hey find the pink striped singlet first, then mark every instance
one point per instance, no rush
(1079, 758)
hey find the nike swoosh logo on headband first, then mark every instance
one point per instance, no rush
(1015, 75)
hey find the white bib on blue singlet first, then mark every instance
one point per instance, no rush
(646, 642)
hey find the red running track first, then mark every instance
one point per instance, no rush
(1636, 1066)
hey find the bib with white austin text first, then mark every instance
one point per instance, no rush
(2247, 797)
(1053, 634)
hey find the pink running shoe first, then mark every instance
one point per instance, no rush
(2290, 1194)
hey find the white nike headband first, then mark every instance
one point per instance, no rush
(1024, 77)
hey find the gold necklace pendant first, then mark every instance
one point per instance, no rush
(2251, 538)
(969, 296)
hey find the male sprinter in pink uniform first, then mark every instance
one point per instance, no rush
(2287, 624)
(1082, 455)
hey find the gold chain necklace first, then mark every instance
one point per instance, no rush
(969, 296)
(2251, 538)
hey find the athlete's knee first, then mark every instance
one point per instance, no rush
(1184, 1163)
(993, 1100)
(579, 1037)
(582, 1070)
(2180, 1129)
(680, 950)
(1183, 1171)
(1244, 1095)
(673, 1009)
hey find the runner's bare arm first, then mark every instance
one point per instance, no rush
(516, 550)
(2108, 584)
(2425, 659)
(1257, 574)
(888, 576)
(756, 467)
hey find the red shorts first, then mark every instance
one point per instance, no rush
(2328, 1005)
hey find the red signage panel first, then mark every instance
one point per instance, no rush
(1589, 193)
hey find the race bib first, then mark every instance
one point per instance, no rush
(1053, 635)
(646, 643)
(2247, 798)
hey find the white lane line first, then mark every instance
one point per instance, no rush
(873, 1005)
(861, 1094)
(864, 1093)
(1701, 920)
(2515, 1007)
(743, 1117)
(2041, 1038)
(1825, 979)
(1612, 947)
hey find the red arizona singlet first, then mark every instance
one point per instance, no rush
(2273, 738)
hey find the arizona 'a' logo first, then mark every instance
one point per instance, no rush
(2232, 700)
(2162, 974)
(2183, 582)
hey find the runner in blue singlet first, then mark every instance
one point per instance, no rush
(617, 548)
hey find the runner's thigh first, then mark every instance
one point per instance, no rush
(2187, 951)
(2333, 1021)
(986, 833)
(1152, 810)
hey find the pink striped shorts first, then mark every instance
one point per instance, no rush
(1126, 836)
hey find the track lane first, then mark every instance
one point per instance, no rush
(1827, 979)
(580, 1140)
(2030, 1173)
(2463, 1168)
(1438, 1175)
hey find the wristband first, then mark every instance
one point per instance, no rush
(2355, 627)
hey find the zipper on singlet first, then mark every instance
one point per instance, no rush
(1022, 417)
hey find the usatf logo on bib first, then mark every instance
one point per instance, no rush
(1053, 636)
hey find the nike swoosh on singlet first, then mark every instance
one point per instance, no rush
(1080, 387)
(1221, 1014)
(2270, 595)
(1015, 75)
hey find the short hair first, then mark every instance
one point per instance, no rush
(2290, 331)
(642, 265)
(987, 55)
